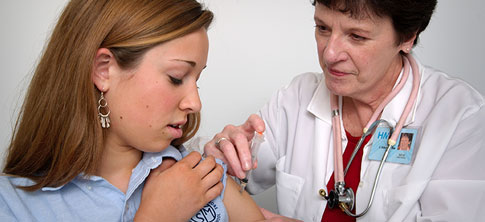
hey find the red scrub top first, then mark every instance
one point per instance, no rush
(352, 179)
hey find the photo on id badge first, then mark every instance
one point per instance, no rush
(401, 152)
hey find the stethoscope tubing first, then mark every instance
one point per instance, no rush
(379, 170)
(339, 172)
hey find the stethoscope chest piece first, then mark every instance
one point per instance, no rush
(342, 197)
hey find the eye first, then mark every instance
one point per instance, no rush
(176, 81)
(321, 28)
(357, 37)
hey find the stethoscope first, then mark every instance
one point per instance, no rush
(343, 196)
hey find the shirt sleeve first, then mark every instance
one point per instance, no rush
(224, 176)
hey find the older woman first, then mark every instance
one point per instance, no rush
(368, 74)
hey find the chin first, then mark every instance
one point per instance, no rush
(336, 88)
(156, 147)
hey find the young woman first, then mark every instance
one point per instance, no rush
(111, 101)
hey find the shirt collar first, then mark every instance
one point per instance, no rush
(150, 159)
(153, 160)
(320, 102)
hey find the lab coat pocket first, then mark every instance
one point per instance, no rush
(401, 201)
(288, 188)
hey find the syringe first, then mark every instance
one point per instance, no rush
(256, 142)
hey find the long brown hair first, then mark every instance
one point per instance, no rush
(58, 135)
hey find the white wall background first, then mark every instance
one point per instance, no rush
(256, 47)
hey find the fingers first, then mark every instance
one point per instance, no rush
(214, 191)
(213, 178)
(254, 123)
(166, 163)
(232, 145)
(210, 149)
(225, 152)
(192, 159)
(206, 166)
(189, 184)
(233, 155)
(267, 214)
(270, 216)
(211, 174)
(243, 151)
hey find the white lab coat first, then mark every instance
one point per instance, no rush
(445, 182)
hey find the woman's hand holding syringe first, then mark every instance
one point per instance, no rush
(233, 146)
(256, 142)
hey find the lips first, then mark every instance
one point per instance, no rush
(175, 126)
(175, 129)
(336, 72)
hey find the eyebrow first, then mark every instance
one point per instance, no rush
(191, 63)
(318, 20)
(352, 29)
(359, 30)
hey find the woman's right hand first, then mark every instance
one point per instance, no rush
(234, 145)
(178, 192)
(272, 217)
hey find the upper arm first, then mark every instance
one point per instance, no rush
(240, 206)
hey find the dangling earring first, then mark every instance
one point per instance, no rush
(103, 118)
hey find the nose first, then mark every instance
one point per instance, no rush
(191, 100)
(333, 51)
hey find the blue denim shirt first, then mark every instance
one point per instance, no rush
(92, 198)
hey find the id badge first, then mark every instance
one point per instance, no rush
(401, 152)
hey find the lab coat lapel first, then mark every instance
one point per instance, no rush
(320, 103)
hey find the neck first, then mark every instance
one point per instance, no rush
(117, 163)
(376, 95)
(358, 109)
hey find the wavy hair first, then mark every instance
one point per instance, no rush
(57, 135)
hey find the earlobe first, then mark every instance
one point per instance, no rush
(408, 45)
(101, 69)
